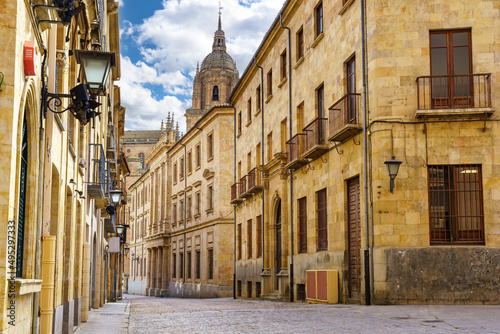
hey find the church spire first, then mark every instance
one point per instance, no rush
(219, 38)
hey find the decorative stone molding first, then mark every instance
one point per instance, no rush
(208, 173)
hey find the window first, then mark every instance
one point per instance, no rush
(174, 214)
(269, 83)
(300, 44)
(283, 135)
(249, 238)
(22, 207)
(249, 110)
(210, 146)
(189, 162)
(239, 288)
(181, 264)
(174, 266)
(141, 160)
(181, 210)
(198, 265)
(188, 208)
(239, 122)
(259, 236)
(320, 100)
(210, 264)
(322, 221)
(258, 98)
(181, 169)
(283, 65)
(189, 265)
(249, 289)
(258, 154)
(319, 19)
(175, 172)
(456, 204)
(249, 162)
(300, 117)
(198, 156)
(197, 211)
(270, 146)
(451, 64)
(257, 289)
(215, 94)
(239, 170)
(351, 87)
(302, 203)
(239, 241)
(210, 198)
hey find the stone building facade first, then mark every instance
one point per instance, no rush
(54, 263)
(331, 102)
(214, 81)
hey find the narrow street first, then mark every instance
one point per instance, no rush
(139, 314)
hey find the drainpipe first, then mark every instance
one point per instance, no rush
(367, 257)
(290, 134)
(234, 210)
(261, 158)
(185, 218)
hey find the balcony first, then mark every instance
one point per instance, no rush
(294, 149)
(316, 144)
(254, 181)
(464, 94)
(96, 186)
(234, 194)
(243, 187)
(345, 118)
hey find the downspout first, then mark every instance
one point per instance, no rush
(367, 257)
(261, 158)
(41, 151)
(184, 219)
(234, 210)
(290, 134)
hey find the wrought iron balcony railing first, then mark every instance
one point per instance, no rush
(316, 143)
(344, 120)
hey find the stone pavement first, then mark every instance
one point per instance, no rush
(139, 314)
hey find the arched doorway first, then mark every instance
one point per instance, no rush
(278, 242)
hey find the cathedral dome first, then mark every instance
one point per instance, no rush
(218, 59)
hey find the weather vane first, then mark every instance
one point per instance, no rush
(220, 8)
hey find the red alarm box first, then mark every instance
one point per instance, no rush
(30, 57)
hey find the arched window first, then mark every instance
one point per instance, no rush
(141, 158)
(22, 201)
(215, 95)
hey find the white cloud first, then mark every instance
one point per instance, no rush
(171, 42)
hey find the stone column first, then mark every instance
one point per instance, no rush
(86, 282)
(148, 271)
(164, 273)
(158, 272)
(47, 294)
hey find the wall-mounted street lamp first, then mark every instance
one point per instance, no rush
(96, 66)
(116, 196)
(120, 229)
(392, 169)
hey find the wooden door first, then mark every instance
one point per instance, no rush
(354, 239)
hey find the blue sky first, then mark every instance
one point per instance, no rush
(162, 41)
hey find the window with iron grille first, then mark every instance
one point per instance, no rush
(174, 213)
(22, 204)
(239, 241)
(249, 289)
(197, 211)
(188, 208)
(198, 265)
(181, 169)
(239, 122)
(258, 289)
(322, 220)
(456, 213)
(189, 162)
(302, 202)
(174, 266)
(259, 236)
(175, 172)
(210, 197)
(198, 155)
(319, 19)
(249, 238)
(210, 146)
(258, 98)
(301, 292)
(239, 288)
(181, 264)
(189, 265)
(249, 110)
(210, 264)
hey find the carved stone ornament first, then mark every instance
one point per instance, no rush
(208, 173)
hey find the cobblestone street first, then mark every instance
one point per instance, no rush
(138, 314)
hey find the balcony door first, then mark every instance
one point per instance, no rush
(451, 67)
(351, 90)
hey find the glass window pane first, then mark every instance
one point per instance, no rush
(438, 40)
(461, 38)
